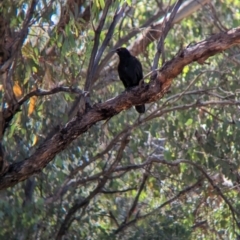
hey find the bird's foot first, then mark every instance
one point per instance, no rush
(141, 83)
(129, 88)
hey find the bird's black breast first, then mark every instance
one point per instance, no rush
(130, 71)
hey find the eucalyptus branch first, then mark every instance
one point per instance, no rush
(117, 191)
(111, 215)
(200, 52)
(113, 142)
(186, 89)
(96, 191)
(10, 111)
(153, 32)
(42, 92)
(140, 217)
(156, 159)
(70, 183)
(195, 104)
(164, 33)
(204, 172)
(135, 202)
(116, 18)
(90, 72)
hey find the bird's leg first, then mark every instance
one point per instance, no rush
(129, 88)
(141, 83)
(139, 118)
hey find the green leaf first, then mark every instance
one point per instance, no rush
(101, 3)
(189, 122)
(34, 69)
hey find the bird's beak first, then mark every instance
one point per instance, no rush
(114, 50)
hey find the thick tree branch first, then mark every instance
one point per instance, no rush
(11, 48)
(143, 94)
(70, 183)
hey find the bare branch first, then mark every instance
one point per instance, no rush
(90, 72)
(69, 182)
(113, 217)
(164, 33)
(193, 105)
(181, 193)
(135, 202)
(204, 172)
(116, 18)
(154, 32)
(67, 221)
(10, 111)
(117, 191)
(156, 159)
(41, 92)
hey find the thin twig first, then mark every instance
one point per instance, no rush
(65, 225)
(113, 217)
(156, 159)
(135, 202)
(41, 92)
(193, 105)
(117, 191)
(140, 217)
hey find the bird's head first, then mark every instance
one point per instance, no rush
(122, 52)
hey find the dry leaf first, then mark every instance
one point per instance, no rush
(35, 139)
(17, 89)
(32, 105)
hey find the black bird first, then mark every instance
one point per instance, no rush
(130, 71)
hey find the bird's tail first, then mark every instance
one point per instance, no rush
(140, 108)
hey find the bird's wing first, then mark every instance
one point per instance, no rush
(138, 70)
(130, 72)
(123, 73)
